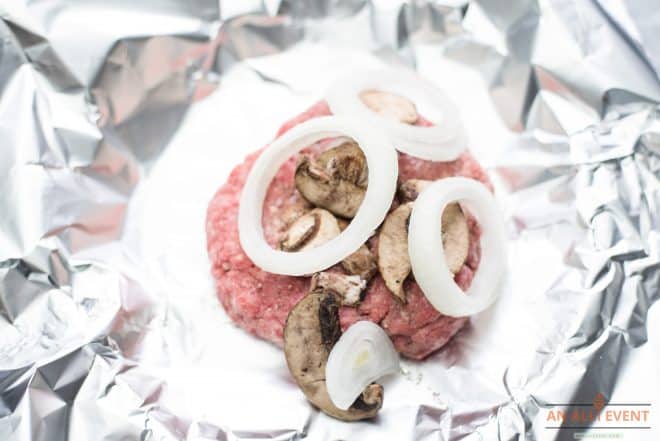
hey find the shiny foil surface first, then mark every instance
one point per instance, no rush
(119, 120)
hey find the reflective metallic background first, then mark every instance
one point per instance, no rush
(119, 119)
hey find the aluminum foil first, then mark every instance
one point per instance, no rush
(120, 119)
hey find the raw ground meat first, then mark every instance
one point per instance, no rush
(259, 301)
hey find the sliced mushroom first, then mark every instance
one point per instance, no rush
(393, 259)
(294, 211)
(455, 237)
(390, 105)
(336, 181)
(343, 223)
(409, 190)
(455, 231)
(312, 328)
(348, 288)
(310, 230)
(361, 263)
(346, 162)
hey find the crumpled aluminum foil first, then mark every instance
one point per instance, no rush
(120, 119)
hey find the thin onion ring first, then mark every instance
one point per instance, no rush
(444, 141)
(381, 185)
(427, 255)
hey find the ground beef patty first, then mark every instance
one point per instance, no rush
(259, 301)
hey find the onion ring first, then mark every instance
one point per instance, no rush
(427, 254)
(362, 355)
(444, 141)
(381, 186)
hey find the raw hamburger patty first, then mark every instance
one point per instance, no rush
(259, 301)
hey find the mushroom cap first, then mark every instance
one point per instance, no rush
(310, 230)
(346, 161)
(336, 181)
(312, 328)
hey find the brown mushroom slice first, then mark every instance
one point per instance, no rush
(455, 230)
(336, 181)
(346, 162)
(312, 328)
(455, 237)
(295, 210)
(393, 259)
(310, 230)
(348, 288)
(409, 190)
(390, 105)
(361, 263)
(343, 223)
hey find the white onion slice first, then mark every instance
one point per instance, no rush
(444, 141)
(383, 171)
(363, 354)
(427, 254)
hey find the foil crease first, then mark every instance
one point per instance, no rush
(119, 120)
